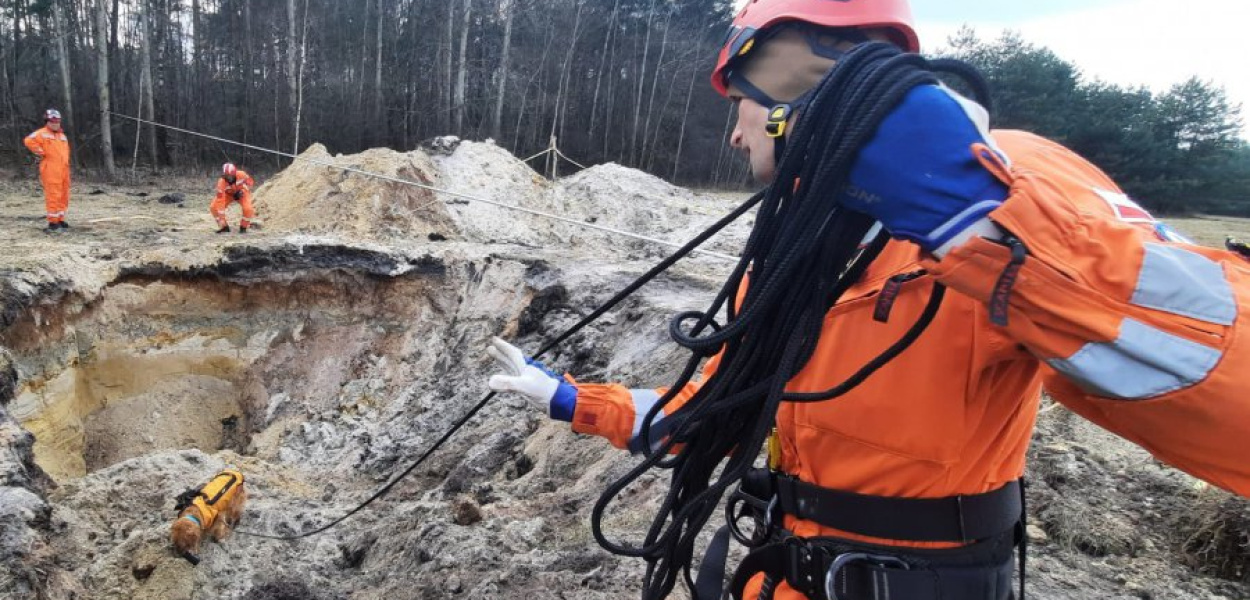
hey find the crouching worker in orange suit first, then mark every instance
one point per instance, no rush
(51, 145)
(904, 483)
(233, 186)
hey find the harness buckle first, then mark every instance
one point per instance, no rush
(803, 560)
(761, 512)
(841, 561)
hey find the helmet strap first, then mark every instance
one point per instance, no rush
(775, 127)
(778, 124)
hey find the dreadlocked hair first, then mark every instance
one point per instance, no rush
(802, 254)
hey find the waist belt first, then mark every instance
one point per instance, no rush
(950, 519)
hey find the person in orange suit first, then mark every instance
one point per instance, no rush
(51, 145)
(233, 186)
(908, 486)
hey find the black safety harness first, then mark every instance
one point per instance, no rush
(987, 526)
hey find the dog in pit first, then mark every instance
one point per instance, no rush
(213, 509)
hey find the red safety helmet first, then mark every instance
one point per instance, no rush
(757, 16)
(229, 171)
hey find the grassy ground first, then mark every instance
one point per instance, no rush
(1211, 230)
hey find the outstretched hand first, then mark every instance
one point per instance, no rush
(541, 386)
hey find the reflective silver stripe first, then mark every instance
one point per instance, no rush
(1142, 363)
(963, 214)
(1185, 283)
(643, 401)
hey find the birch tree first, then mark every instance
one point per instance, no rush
(62, 51)
(102, 88)
(501, 72)
(462, 72)
(147, 97)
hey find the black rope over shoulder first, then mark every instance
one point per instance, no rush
(803, 254)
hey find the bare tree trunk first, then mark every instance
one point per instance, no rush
(7, 89)
(563, 83)
(299, 84)
(197, 101)
(603, 57)
(18, 10)
(277, 114)
(362, 124)
(377, 79)
(249, 68)
(113, 30)
(102, 87)
(681, 134)
(642, 77)
(134, 161)
(292, 82)
(62, 51)
(655, 81)
(501, 73)
(649, 160)
(610, 110)
(446, 87)
(17, 51)
(723, 148)
(462, 69)
(145, 81)
(542, 64)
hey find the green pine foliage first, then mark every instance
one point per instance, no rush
(1176, 152)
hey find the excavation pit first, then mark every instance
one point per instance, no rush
(196, 360)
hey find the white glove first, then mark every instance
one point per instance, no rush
(542, 387)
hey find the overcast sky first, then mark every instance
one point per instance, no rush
(1156, 43)
(1153, 42)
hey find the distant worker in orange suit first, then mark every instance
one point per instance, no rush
(52, 147)
(234, 186)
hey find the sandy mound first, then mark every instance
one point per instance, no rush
(313, 198)
(484, 170)
(631, 200)
(484, 181)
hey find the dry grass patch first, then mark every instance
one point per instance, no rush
(1215, 535)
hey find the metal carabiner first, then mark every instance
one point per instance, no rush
(737, 508)
(842, 560)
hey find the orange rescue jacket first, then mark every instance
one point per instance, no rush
(1134, 333)
(242, 183)
(52, 147)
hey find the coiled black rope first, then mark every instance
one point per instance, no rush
(802, 254)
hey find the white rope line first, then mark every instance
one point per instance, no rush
(536, 155)
(433, 189)
(565, 157)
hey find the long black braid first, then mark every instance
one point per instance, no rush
(803, 253)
